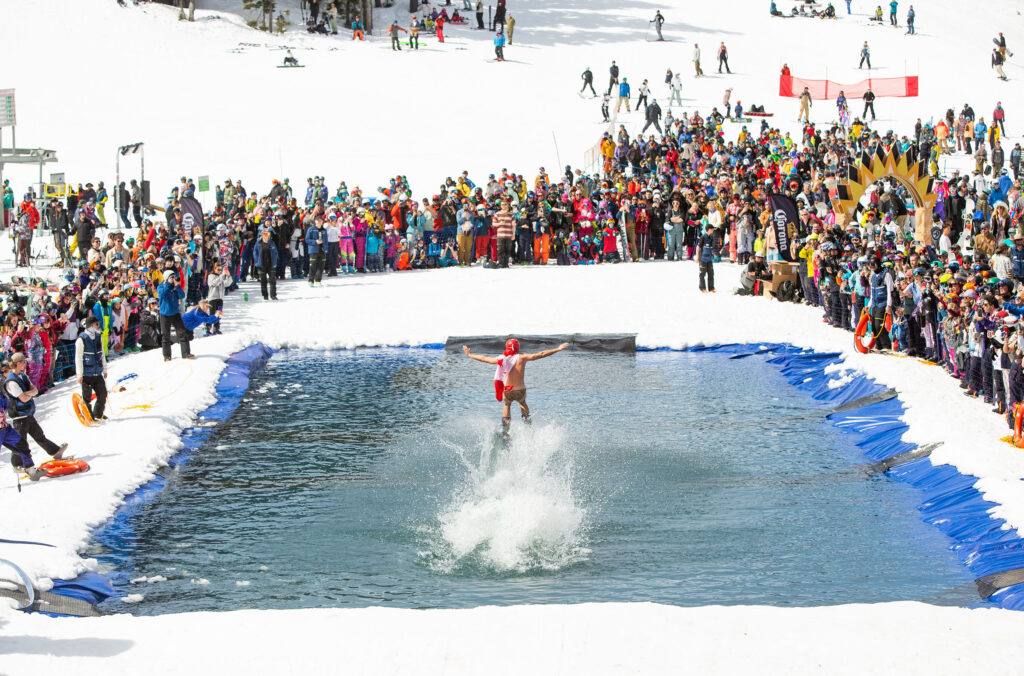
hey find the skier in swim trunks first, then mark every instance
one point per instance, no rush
(510, 377)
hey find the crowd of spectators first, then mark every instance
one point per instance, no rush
(684, 194)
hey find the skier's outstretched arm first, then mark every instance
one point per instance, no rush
(479, 357)
(545, 353)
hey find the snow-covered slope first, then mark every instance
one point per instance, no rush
(100, 76)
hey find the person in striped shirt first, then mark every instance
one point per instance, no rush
(503, 222)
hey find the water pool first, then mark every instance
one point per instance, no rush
(374, 477)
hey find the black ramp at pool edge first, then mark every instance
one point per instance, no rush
(117, 533)
(587, 342)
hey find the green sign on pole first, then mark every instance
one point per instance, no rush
(204, 184)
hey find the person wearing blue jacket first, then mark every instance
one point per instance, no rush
(1017, 257)
(200, 315)
(309, 192)
(499, 45)
(316, 245)
(623, 95)
(171, 295)
(980, 128)
(893, 6)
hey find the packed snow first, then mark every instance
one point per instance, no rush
(204, 106)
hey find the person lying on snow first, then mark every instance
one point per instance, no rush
(199, 315)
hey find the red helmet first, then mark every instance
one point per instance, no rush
(511, 347)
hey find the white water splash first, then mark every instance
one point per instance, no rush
(517, 512)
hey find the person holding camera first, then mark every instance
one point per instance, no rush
(91, 367)
(171, 295)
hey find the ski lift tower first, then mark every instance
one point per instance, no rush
(14, 154)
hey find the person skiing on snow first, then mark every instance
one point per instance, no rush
(499, 45)
(588, 81)
(614, 77)
(604, 107)
(510, 377)
(658, 20)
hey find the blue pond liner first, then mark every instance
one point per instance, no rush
(950, 502)
(118, 535)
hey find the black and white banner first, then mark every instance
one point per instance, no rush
(192, 215)
(784, 219)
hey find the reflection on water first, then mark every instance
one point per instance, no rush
(377, 477)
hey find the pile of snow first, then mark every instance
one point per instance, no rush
(614, 638)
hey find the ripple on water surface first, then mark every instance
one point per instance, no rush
(376, 477)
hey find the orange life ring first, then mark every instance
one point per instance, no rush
(81, 409)
(864, 328)
(1018, 424)
(62, 467)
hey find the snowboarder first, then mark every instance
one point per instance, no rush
(290, 60)
(1001, 44)
(588, 81)
(499, 45)
(613, 78)
(997, 63)
(658, 20)
(869, 104)
(865, 55)
(510, 377)
(723, 58)
(652, 114)
(396, 43)
(623, 96)
(414, 33)
(697, 72)
(805, 106)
